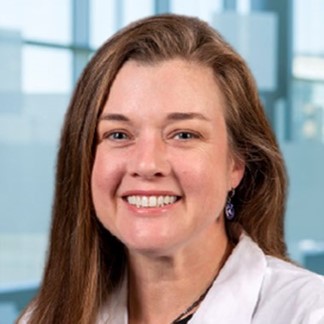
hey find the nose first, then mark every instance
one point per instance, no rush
(149, 159)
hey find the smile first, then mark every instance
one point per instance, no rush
(151, 201)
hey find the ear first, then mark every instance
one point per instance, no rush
(236, 172)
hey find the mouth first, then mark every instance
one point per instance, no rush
(140, 201)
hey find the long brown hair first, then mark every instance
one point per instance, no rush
(85, 262)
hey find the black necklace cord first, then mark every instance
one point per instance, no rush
(193, 305)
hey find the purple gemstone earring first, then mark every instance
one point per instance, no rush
(229, 207)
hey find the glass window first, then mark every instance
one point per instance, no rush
(103, 21)
(42, 20)
(107, 16)
(35, 86)
(308, 21)
(203, 9)
(46, 70)
(308, 116)
(308, 43)
(243, 6)
(308, 71)
(134, 10)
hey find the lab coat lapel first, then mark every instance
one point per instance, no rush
(115, 310)
(234, 295)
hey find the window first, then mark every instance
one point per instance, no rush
(204, 10)
(308, 71)
(46, 70)
(36, 64)
(103, 21)
(109, 15)
(41, 20)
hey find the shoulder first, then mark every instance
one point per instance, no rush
(291, 292)
(285, 276)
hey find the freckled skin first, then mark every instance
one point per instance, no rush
(150, 147)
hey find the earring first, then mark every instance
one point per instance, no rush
(229, 207)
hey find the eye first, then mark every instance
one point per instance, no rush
(185, 135)
(116, 136)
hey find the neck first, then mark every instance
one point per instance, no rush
(173, 282)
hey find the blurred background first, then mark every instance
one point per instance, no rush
(45, 44)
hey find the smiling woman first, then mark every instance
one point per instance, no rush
(170, 191)
(166, 150)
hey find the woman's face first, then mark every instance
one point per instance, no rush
(163, 167)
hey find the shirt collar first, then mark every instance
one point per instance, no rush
(234, 294)
(232, 298)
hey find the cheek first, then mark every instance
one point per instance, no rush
(205, 179)
(202, 173)
(106, 175)
(100, 172)
(105, 180)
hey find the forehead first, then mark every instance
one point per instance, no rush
(169, 86)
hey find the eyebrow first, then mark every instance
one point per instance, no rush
(186, 116)
(114, 117)
(176, 116)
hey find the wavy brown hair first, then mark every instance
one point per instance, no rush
(85, 262)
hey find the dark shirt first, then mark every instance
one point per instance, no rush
(184, 320)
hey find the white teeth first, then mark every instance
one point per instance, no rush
(144, 202)
(138, 202)
(151, 201)
(132, 200)
(166, 200)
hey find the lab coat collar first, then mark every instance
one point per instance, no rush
(232, 298)
(234, 295)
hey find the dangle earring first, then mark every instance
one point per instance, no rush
(229, 207)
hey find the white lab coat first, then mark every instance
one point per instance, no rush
(251, 288)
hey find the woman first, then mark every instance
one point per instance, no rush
(170, 191)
